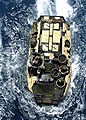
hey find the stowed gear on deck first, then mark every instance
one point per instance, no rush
(49, 74)
(48, 67)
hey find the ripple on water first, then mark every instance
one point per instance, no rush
(16, 101)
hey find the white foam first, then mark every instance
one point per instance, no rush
(74, 28)
(32, 14)
(75, 68)
(63, 8)
(44, 7)
(28, 20)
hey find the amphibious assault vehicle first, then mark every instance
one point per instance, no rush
(48, 65)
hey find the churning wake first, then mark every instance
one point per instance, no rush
(16, 100)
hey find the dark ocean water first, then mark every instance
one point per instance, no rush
(16, 102)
